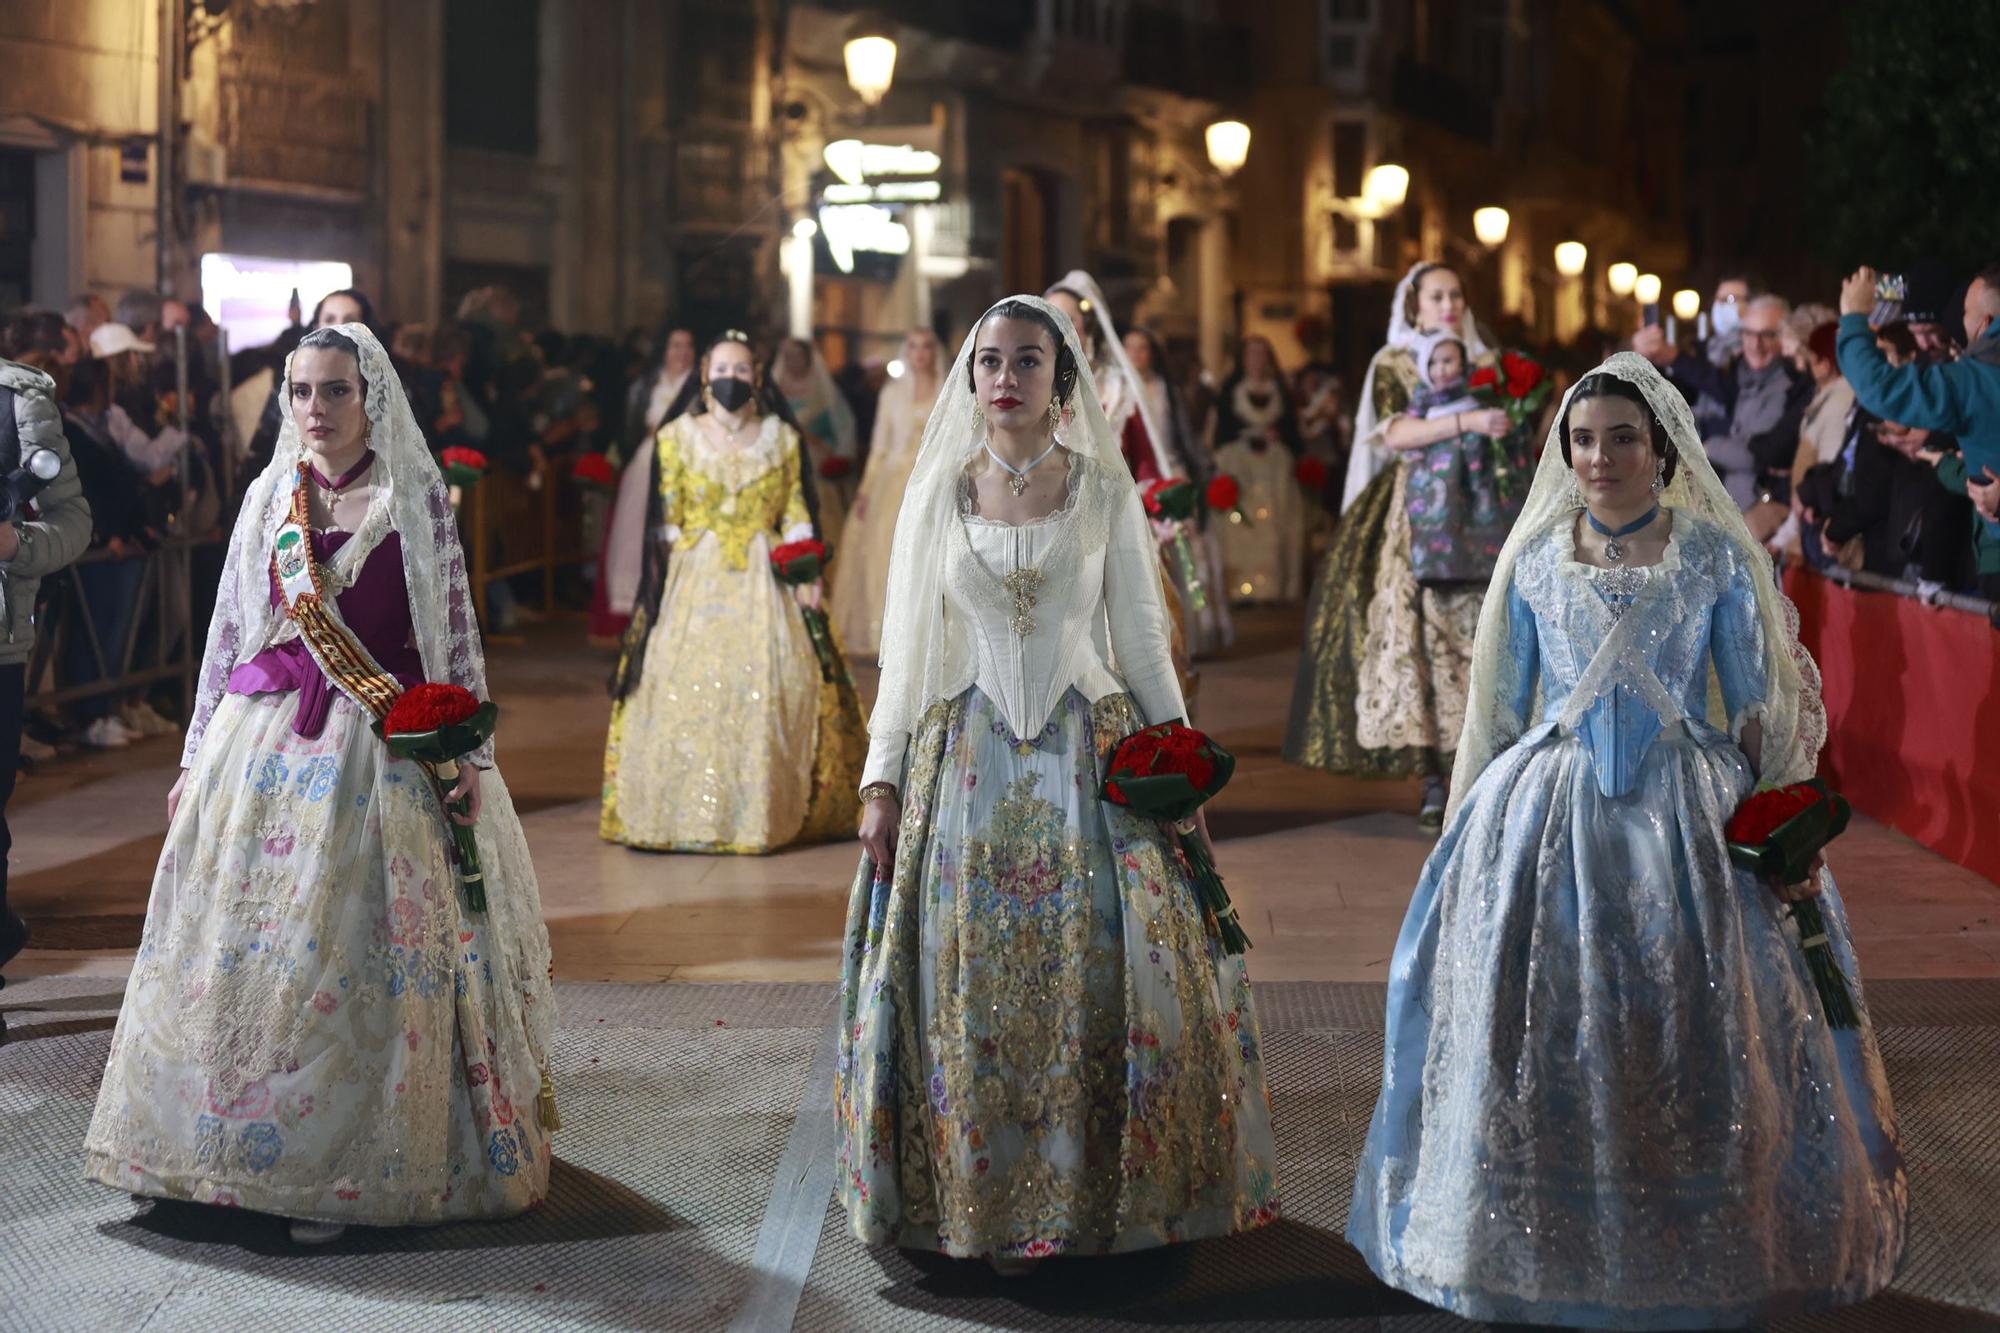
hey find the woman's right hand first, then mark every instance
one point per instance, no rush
(174, 796)
(880, 819)
(1492, 422)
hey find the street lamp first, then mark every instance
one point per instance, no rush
(871, 59)
(1228, 145)
(1647, 289)
(1490, 226)
(1570, 258)
(1687, 303)
(1386, 186)
(1620, 277)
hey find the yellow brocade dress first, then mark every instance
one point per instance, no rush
(730, 741)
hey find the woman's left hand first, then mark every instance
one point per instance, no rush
(466, 788)
(1807, 888)
(810, 595)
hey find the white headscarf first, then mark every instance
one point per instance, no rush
(1113, 351)
(407, 497)
(1792, 717)
(1368, 455)
(920, 662)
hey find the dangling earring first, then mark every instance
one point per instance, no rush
(1660, 475)
(978, 419)
(1055, 415)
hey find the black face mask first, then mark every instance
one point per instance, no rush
(731, 393)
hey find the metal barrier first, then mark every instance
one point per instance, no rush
(1917, 592)
(166, 581)
(555, 535)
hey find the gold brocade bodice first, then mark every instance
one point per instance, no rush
(734, 494)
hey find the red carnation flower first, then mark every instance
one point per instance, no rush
(593, 469)
(1766, 812)
(460, 456)
(1224, 493)
(1312, 473)
(424, 708)
(833, 467)
(1486, 377)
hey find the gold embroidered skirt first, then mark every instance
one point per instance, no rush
(731, 742)
(1382, 675)
(1042, 1050)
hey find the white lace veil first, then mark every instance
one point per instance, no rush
(919, 664)
(1113, 350)
(1367, 456)
(824, 396)
(1792, 716)
(407, 497)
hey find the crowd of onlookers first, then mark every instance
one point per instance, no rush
(1859, 437)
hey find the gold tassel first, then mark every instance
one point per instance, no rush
(545, 1105)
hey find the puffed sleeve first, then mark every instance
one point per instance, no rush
(672, 509)
(1736, 639)
(797, 525)
(1523, 661)
(1136, 614)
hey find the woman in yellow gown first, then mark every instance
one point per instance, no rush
(725, 736)
(861, 574)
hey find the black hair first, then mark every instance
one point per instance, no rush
(333, 340)
(87, 379)
(352, 294)
(1066, 367)
(1611, 386)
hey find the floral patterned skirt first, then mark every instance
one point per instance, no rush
(314, 1026)
(1042, 1049)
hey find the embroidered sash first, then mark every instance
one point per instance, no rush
(346, 662)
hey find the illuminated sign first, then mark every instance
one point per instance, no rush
(886, 192)
(251, 296)
(852, 227)
(855, 162)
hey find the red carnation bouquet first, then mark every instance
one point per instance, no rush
(1175, 500)
(1777, 833)
(1225, 496)
(435, 726)
(463, 466)
(1519, 386)
(593, 471)
(1167, 773)
(799, 563)
(1312, 474)
(833, 467)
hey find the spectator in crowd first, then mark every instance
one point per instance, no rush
(134, 421)
(1761, 398)
(31, 549)
(1799, 326)
(653, 393)
(1933, 303)
(1961, 397)
(1822, 431)
(85, 312)
(109, 584)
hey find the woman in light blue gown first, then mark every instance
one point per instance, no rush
(1610, 1097)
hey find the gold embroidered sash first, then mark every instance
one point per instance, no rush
(347, 663)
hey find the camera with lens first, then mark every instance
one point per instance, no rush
(36, 469)
(1891, 291)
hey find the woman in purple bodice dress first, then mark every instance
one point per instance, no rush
(318, 1024)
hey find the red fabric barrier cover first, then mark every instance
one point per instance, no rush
(1913, 711)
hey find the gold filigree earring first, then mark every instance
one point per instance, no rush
(1055, 414)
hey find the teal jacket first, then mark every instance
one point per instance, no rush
(1960, 397)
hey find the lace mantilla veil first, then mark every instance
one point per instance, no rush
(408, 498)
(1365, 459)
(1792, 716)
(1114, 351)
(920, 662)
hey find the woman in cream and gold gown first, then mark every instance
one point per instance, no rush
(861, 573)
(799, 374)
(725, 737)
(1381, 683)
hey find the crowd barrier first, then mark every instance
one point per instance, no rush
(514, 524)
(1912, 706)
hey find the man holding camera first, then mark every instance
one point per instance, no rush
(34, 543)
(1959, 397)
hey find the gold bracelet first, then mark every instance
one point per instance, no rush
(878, 791)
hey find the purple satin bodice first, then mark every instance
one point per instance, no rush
(376, 608)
